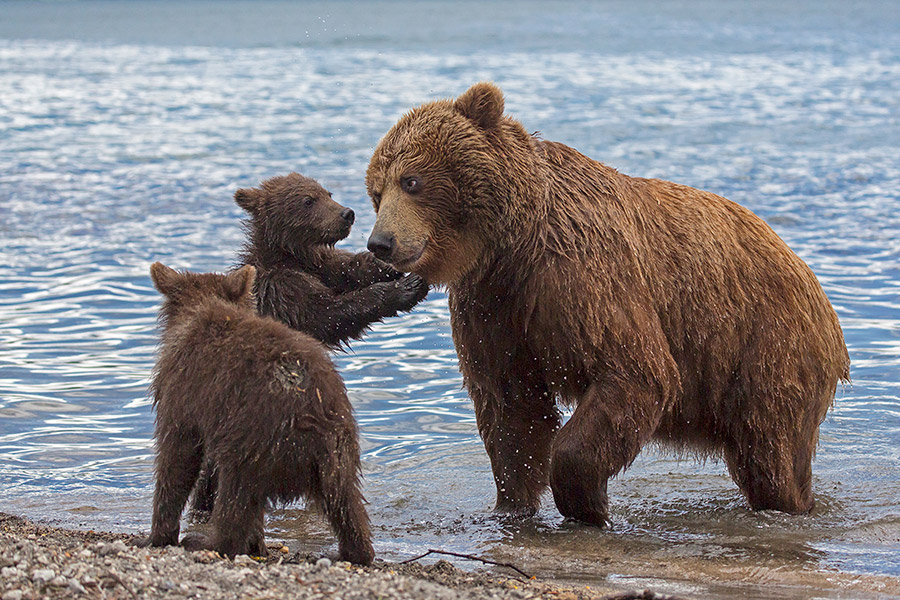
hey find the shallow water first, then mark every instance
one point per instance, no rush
(126, 126)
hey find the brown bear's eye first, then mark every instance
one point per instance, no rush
(308, 200)
(411, 185)
(376, 199)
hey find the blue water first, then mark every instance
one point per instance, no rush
(125, 127)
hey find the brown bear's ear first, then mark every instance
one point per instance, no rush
(239, 284)
(482, 103)
(248, 199)
(164, 279)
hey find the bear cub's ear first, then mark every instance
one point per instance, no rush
(239, 284)
(248, 199)
(165, 279)
(482, 103)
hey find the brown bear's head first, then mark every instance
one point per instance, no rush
(182, 290)
(293, 212)
(451, 183)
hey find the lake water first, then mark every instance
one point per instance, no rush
(125, 127)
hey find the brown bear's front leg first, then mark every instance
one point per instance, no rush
(345, 272)
(306, 304)
(178, 457)
(517, 423)
(613, 420)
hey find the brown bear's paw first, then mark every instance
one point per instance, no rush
(359, 554)
(384, 271)
(581, 510)
(156, 541)
(412, 289)
(256, 546)
(506, 509)
(195, 541)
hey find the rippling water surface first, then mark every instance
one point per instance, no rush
(126, 126)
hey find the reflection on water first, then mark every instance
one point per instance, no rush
(118, 151)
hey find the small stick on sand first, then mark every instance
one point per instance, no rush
(470, 557)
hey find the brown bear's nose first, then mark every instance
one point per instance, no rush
(381, 245)
(347, 215)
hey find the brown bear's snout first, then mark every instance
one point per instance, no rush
(348, 215)
(381, 245)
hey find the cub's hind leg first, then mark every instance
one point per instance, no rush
(178, 458)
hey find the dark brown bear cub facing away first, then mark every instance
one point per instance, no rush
(261, 401)
(660, 312)
(302, 280)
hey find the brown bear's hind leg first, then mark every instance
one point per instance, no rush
(204, 496)
(238, 517)
(774, 472)
(178, 460)
(606, 432)
(517, 423)
(336, 491)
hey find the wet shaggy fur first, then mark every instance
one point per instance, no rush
(302, 280)
(261, 401)
(660, 312)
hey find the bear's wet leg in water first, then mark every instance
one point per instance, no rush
(774, 472)
(517, 420)
(611, 423)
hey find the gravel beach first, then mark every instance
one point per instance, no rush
(38, 561)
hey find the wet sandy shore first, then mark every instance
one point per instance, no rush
(38, 561)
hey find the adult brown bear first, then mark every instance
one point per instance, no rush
(658, 311)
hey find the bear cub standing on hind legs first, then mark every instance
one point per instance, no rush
(304, 281)
(263, 402)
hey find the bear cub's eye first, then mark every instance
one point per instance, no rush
(308, 200)
(411, 185)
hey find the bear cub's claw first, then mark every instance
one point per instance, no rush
(413, 290)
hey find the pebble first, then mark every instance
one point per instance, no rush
(43, 575)
(9, 572)
(75, 572)
(113, 548)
